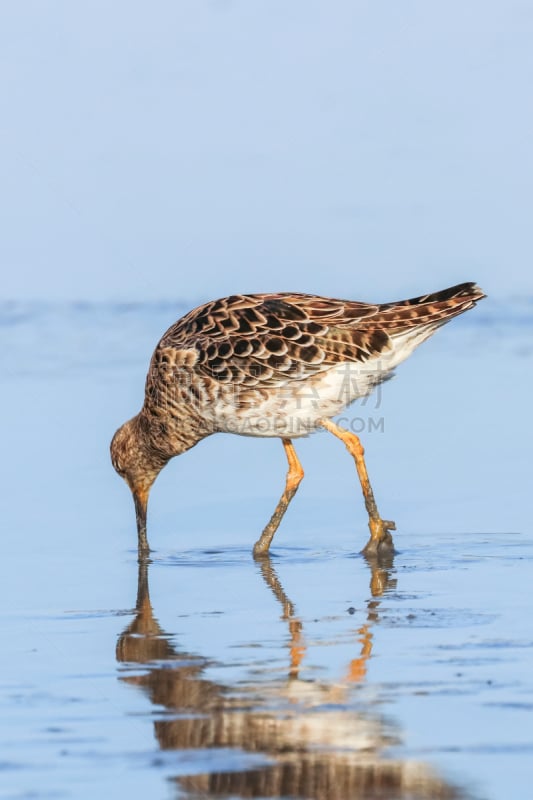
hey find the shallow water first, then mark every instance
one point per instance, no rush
(313, 675)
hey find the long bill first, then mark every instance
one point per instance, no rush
(140, 498)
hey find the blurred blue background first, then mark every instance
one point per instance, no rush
(193, 149)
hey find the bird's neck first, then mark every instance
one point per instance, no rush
(168, 436)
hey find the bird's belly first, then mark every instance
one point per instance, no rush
(294, 408)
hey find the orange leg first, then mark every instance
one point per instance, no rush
(380, 538)
(294, 476)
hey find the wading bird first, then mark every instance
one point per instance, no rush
(277, 365)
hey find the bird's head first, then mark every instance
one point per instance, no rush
(139, 464)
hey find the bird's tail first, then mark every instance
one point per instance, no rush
(431, 310)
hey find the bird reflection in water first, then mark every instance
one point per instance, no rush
(315, 744)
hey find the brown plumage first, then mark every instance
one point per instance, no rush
(272, 365)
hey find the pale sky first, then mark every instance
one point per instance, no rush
(189, 149)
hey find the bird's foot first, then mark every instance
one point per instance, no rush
(261, 550)
(380, 542)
